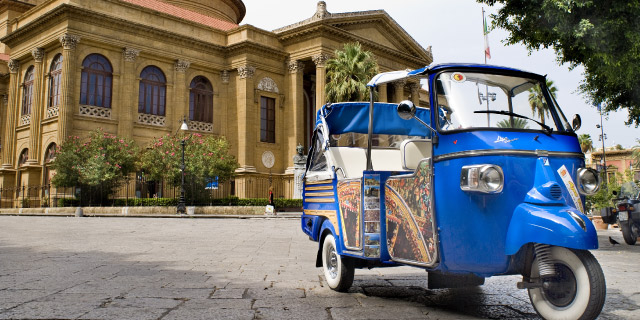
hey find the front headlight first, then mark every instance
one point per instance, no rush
(588, 181)
(485, 178)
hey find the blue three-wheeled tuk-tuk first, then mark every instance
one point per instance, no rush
(479, 175)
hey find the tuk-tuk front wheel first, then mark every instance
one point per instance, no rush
(338, 272)
(576, 291)
(629, 231)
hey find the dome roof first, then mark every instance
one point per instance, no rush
(227, 10)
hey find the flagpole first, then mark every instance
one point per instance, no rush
(486, 87)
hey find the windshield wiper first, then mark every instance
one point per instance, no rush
(508, 113)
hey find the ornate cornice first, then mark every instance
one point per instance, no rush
(321, 59)
(295, 66)
(246, 72)
(69, 41)
(14, 65)
(38, 54)
(181, 65)
(130, 54)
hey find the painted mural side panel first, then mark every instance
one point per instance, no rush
(350, 199)
(409, 217)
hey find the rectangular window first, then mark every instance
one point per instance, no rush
(267, 119)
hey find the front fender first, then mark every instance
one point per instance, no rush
(551, 225)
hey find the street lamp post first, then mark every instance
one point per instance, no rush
(604, 156)
(182, 208)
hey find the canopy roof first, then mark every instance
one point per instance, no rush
(354, 117)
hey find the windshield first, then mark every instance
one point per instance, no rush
(629, 190)
(468, 100)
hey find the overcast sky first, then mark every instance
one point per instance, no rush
(454, 30)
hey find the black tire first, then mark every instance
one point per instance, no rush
(577, 291)
(629, 233)
(337, 270)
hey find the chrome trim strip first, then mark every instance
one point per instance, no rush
(502, 152)
(318, 188)
(321, 200)
(319, 182)
(319, 194)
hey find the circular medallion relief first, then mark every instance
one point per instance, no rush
(268, 159)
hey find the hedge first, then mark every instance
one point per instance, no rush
(169, 202)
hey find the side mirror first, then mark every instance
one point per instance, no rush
(577, 122)
(615, 193)
(406, 110)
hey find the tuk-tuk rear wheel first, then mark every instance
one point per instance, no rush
(337, 271)
(577, 291)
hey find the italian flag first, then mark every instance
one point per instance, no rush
(487, 51)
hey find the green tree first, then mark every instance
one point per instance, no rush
(602, 36)
(518, 123)
(205, 158)
(100, 162)
(586, 144)
(348, 73)
(538, 102)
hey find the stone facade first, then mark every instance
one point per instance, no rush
(242, 63)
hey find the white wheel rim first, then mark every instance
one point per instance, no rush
(331, 263)
(576, 308)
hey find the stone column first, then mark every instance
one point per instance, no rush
(321, 78)
(129, 106)
(415, 93)
(8, 138)
(248, 126)
(36, 108)
(69, 43)
(3, 119)
(382, 93)
(295, 110)
(223, 117)
(398, 93)
(181, 105)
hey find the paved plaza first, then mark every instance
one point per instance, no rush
(172, 268)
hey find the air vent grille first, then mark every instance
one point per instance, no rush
(556, 192)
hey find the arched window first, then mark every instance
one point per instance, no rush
(201, 100)
(50, 154)
(24, 156)
(27, 92)
(153, 89)
(55, 76)
(96, 81)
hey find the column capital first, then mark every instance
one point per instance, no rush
(414, 86)
(246, 72)
(69, 41)
(38, 54)
(130, 54)
(224, 75)
(14, 65)
(321, 59)
(181, 65)
(295, 66)
(399, 84)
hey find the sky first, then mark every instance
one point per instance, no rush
(454, 30)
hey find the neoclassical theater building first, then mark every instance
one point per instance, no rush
(136, 68)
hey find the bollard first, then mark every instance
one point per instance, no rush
(79, 212)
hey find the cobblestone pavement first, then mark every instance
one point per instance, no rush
(131, 268)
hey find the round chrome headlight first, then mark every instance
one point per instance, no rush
(491, 179)
(588, 181)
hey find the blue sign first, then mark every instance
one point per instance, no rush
(212, 183)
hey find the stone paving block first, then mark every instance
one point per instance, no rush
(218, 304)
(228, 293)
(47, 310)
(153, 303)
(275, 293)
(380, 312)
(208, 314)
(114, 313)
(170, 293)
(294, 313)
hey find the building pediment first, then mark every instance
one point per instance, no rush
(375, 28)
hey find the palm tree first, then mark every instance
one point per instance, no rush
(348, 73)
(586, 144)
(537, 101)
(518, 123)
